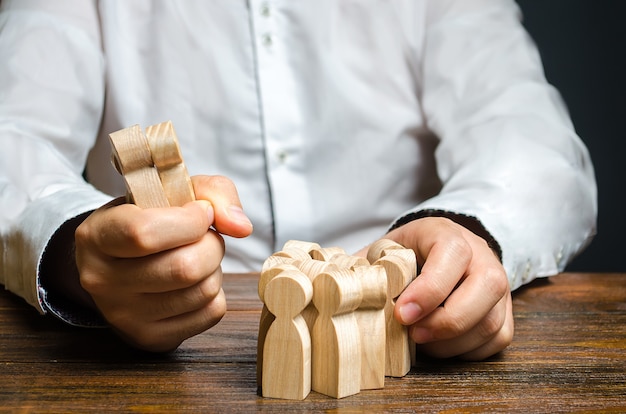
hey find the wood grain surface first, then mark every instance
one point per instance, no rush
(568, 355)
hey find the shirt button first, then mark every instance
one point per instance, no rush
(265, 10)
(559, 256)
(267, 40)
(282, 156)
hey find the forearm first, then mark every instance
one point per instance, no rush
(26, 241)
(508, 155)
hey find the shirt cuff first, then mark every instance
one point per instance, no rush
(58, 261)
(469, 222)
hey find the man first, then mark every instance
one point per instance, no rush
(328, 121)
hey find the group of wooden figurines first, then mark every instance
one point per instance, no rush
(327, 322)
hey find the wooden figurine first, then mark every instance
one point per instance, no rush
(168, 161)
(370, 317)
(133, 159)
(336, 344)
(287, 348)
(267, 318)
(325, 253)
(348, 261)
(379, 247)
(302, 245)
(293, 253)
(398, 362)
(152, 166)
(312, 268)
(410, 267)
(274, 261)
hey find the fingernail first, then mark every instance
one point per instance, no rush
(236, 214)
(410, 313)
(421, 335)
(208, 207)
(210, 214)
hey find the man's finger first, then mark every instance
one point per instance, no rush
(221, 192)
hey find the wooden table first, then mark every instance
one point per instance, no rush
(568, 355)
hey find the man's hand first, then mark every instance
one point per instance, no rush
(155, 274)
(460, 304)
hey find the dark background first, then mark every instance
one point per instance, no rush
(583, 47)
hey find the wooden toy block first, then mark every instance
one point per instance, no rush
(152, 166)
(336, 343)
(287, 348)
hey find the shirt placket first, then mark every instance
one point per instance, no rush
(282, 119)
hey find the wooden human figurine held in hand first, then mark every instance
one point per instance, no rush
(152, 166)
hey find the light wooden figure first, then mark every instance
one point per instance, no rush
(370, 317)
(398, 362)
(325, 253)
(133, 159)
(336, 344)
(287, 348)
(274, 261)
(293, 253)
(290, 258)
(267, 318)
(302, 245)
(168, 161)
(312, 268)
(408, 257)
(410, 262)
(377, 249)
(348, 261)
(152, 166)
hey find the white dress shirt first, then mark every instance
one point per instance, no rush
(333, 118)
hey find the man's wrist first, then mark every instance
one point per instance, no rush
(60, 280)
(469, 222)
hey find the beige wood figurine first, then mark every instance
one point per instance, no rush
(287, 348)
(312, 268)
(168, 161)
(336, 343)
(398, 362)
(267, 318)
(370, 317)
(152, 166)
